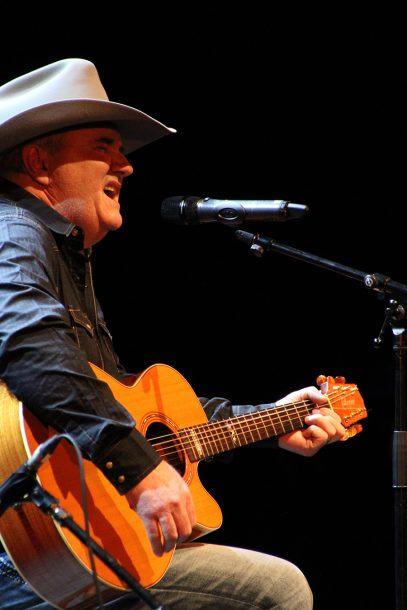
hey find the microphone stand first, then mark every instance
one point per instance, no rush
(395, 316)
(50, 506)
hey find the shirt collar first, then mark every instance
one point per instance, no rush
(52, 219)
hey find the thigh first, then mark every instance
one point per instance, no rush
(205, 576)
(200, 577)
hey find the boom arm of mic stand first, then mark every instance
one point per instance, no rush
(259, 244)
(50, 506)
(395, 316)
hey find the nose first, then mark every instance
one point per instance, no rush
(121, 164)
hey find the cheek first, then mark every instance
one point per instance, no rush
(108, 210)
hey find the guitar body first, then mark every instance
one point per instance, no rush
(51, 558)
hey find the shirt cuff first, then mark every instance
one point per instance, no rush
(128, 461)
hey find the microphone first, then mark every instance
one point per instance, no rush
(197, 210)
(22, 481)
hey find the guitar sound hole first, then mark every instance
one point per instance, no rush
(168, 445)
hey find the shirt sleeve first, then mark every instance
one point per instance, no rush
(43, 366)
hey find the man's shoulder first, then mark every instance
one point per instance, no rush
(12, 211)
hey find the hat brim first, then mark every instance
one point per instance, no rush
(136, 128)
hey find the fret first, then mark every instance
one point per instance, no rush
(234, 436)
(267, 416)
(281, 427)
(228, 435)
(225, 431)
(215, 445)
(301, 413)
(253, 429)
(244, 432)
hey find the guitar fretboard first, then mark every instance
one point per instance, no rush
(209, 439)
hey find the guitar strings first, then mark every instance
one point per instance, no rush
(208, 434)
(261, 414)
(281, 414)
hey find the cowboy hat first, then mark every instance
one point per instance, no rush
(64, 94)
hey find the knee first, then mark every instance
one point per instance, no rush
(295, 590)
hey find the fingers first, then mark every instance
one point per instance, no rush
(308, 393)
(175, 527)
(168, 523)
(166, 527)
(326, 425)
(169, 531)
(323, 417)
(164, 503)
(154, 533)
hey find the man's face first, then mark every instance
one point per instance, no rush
(85, 177)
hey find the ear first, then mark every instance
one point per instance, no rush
(36, 163)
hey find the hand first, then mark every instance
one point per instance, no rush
(164, 503)
(324, 425)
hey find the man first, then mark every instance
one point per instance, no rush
(63, 163)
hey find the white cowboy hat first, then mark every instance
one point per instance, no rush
(65, 94)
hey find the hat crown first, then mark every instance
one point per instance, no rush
(60, 81)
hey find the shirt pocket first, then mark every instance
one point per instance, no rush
(81, 325)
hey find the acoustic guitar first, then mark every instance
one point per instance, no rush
(169, 414)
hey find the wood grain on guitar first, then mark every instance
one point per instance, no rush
(169, 414)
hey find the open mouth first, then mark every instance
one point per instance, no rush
(110, 191)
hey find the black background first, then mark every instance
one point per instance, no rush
(307, 107)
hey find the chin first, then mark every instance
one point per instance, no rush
(114, 223)
(116, 226)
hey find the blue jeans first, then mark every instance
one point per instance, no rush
(200, 577)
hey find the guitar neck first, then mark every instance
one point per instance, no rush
(212, 438)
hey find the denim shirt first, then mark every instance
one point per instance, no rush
(52, 326)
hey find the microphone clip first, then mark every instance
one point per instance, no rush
(257, 243)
